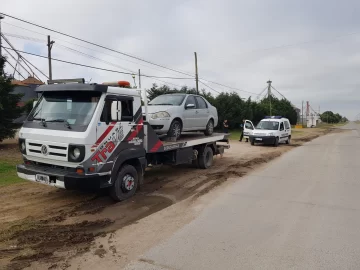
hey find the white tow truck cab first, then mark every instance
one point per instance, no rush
(271, 130)
(92, 136)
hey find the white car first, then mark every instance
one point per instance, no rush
(172, 114)
(271, 130)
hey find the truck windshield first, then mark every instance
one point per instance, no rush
(70, 107)
(171, 100)
(268, 125)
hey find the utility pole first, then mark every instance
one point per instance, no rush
(302, 113)
(139, 80)
(1, 17)
(196, 74)
(50, 44)
(269, 93)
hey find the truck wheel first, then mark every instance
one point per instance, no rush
(175, 129)
(125, 184)
(209, 128)
(252, 142)
(276, 143)
(288, 140)
(206, 158)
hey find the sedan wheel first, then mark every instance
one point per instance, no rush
(209, 128)
(175, 129)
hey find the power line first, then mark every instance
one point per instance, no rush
(21, 57)
(210, 87)
(75, 44)
(88, 66)
(95, 44)
(82, 53)
(15, 69)
(37, 40)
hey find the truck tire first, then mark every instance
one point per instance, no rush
(288, 140)
(252, 142)
(276, 143)
(205, 159)
(209, 128)
(125, 184)
(175, 129)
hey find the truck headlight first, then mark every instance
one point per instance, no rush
(22, 146)
(270, 134)
(160, 115)
(76, 153)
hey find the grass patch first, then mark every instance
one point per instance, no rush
(234, 135)
(8, 173)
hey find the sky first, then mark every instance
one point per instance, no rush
(309, 49)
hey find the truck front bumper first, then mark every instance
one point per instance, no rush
(262, 139)
(61, 178)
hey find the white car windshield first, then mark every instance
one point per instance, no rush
(268, 125)
(171, 100)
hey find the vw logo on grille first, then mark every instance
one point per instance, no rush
(44, 150)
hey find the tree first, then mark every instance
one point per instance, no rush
(330, 117)
(9, 109)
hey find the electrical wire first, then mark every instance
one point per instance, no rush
(82, 53)
(95, 44)
(88, 66)
(37, 40)
(15, 69)
(209, 87)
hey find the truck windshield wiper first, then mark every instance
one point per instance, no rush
(42, 121)
(59, 121)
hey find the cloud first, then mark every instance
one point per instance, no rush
(241, 44)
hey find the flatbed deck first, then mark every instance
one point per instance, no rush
(194, 138)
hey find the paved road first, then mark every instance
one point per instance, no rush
(299, 212)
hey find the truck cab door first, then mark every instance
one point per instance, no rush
(248, 127)
(117, 125)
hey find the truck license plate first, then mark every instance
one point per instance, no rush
(258, 139)
(45, 179)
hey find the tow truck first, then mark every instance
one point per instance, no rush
(93, 136)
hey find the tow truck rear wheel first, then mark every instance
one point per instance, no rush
(206, 158)
(126, 183)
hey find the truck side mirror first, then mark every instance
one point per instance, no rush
(115, 111)
(34, 103)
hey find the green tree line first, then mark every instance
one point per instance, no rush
(232, 107)
(9, 110)
(333, 118)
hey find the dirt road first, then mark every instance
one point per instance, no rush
(46, 228)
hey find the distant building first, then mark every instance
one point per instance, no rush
(27, 88)
(312, 120)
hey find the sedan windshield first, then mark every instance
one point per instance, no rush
(268, 125)
(68, 107)
(171, 100)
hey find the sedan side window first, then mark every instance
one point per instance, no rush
(201, 103)
(190, 103)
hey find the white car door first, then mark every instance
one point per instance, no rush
(287, 128)
(203, 112)
(190, 117)
(248, 127)
(283, 135)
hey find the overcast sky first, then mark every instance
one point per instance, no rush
(309, 49)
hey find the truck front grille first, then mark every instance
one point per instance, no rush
(57, 151)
